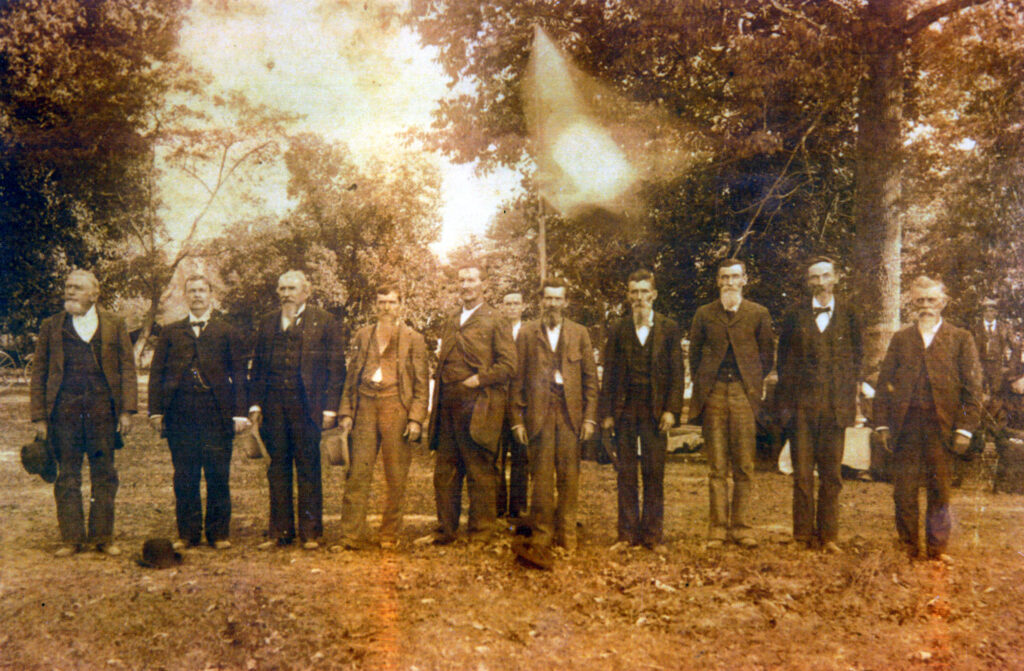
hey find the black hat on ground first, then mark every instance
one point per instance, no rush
(159, 553)
(37, 458)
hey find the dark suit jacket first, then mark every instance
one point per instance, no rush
(413, 374)
(322, 364)
(531, 388)
(953, 370)
(220, 360)
(797, 362)
(999, 352)
(117, 359)
(666, 372)
(490, 352)
(753, 343)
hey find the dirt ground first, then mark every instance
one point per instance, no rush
(471, 607)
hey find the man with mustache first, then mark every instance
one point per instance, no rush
(820, 354)
(84, 391)
(197, 400)
(384, 404)
(641, 396)
(295, 384)
(928, 401)
(554, 408)
(477, 359)
(732, 348)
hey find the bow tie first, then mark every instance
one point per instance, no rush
(200, 325)
(820, 311)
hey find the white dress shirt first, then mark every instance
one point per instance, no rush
(553, 334)
(643, 330)
(85, 325)
(515, 329)
(823, 318)
(928, 335)
(286, 323)
(467, 313)
(193, 319)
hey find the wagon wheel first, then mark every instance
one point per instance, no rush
(26, 370)
(8, 370)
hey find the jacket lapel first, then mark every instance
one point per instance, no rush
(448, 338)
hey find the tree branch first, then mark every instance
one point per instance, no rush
(926, 17)
(798, 15)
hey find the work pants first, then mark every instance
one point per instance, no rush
(81, 427)
(460, 457)
(293, 442)
(920, 458)
(817, 443)
(730, 433)
(378, 426)
(640, 524)
(554, 458)
(512, 492)
(200, 444)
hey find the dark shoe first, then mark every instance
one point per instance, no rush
(274, 542)
(443, 539)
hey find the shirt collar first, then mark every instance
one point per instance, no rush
(932, 331)
(205, 317)
(88, 317)
(466, 312)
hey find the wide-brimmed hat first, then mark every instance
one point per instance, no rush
(38, 459)
(335, 443)
(250, 443)
(159, 553)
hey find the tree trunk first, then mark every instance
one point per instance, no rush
(876, 208)
(147, 324)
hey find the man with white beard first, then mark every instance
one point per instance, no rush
(84, 391)
(732, 348)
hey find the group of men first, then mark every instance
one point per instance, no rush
(505, 394)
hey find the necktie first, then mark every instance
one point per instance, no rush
(821, 311)
(199, 326)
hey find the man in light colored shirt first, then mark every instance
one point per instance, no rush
(554, 409)
(84, 391)
(928, 403)
(641, 397)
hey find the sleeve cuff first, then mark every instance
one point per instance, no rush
(964, 432)
(254, 408)
(330, 413)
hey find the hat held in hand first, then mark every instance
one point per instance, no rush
(335, 443)
(250, 443)
(38, 459)
(159, 553)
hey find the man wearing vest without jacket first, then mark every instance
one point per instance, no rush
(84, 391)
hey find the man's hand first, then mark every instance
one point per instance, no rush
(345, 424)
(960, 443)
(157, 422)
(255, 416)
(412, 431)
(668, 420)
(587, 431)
(473, 381)
(1018, 386)
(124, 424)
(241, 424)
(330, 421)
(40, 427)
(608, 423)
(519, 433)
(883, 439)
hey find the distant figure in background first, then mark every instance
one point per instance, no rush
(475, 364)
(554, 408)
(384, 405)
(820, 355)
(732, 348)
(512, 458)
(999, 352)
(641, 397)
(84, 392)
(197, 400)
(928, 401)
(294, 391)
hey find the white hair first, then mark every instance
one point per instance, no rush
(296, 275)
